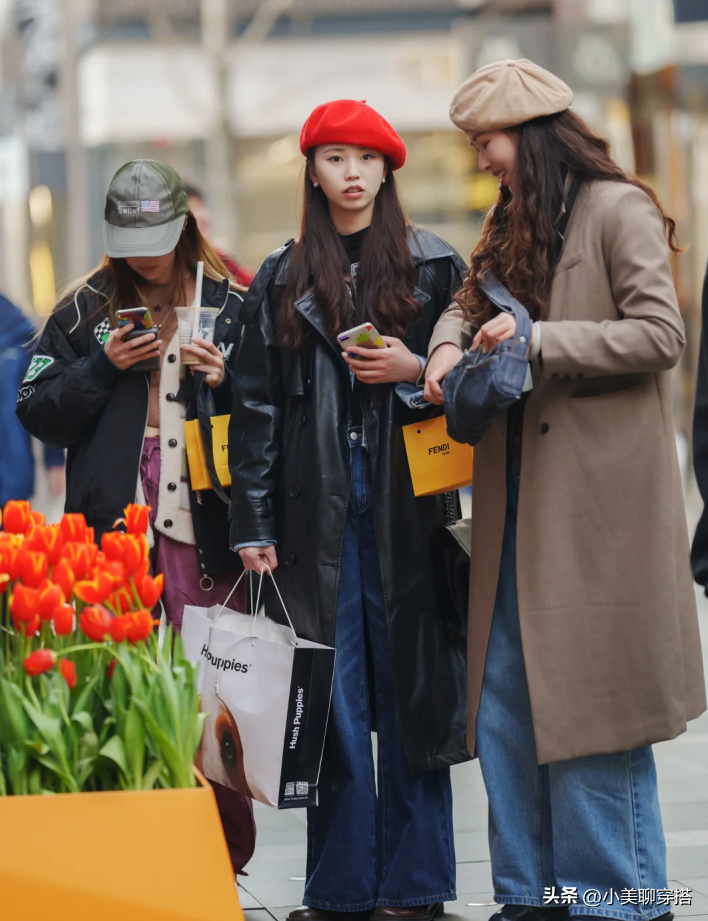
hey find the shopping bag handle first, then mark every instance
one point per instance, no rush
(266, 568)
(238, 582)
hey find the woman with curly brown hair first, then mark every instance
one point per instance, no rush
(583, 636)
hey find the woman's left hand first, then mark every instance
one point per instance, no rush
(211, 361)
(391, 365)
(493, 332)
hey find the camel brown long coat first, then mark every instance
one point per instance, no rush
(606, 601)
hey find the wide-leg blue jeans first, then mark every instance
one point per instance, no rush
(387, 843)
(591, 824)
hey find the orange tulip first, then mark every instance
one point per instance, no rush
(122, 600)
(137, 518)
(38, 519)
(129, 549)
(31, 628)
(64, 620)
(50, 599)
(68, 672)
(33, 568)
(140, 625)
(78, 557)
(95, 622)
(149, 590)
(98, 589)
(23, 605)
(17, 516)
(73, 527)
(63, 575)
(119, 628)
(39, 662)
(48, 540)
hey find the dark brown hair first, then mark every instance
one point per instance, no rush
(386, 274)
(520, 236)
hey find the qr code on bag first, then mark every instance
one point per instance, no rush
(301, 788)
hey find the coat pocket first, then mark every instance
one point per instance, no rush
(605, 386)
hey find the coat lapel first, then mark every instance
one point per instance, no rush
(308, 307)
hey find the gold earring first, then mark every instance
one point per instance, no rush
(315, 183)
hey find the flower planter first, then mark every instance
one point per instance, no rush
(125, 856)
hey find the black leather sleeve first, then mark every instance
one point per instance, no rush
(256, 420)
(699, 550)
(66, 388)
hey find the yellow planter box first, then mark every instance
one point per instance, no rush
(133, 856)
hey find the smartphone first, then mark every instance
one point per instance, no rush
(365, 336)
(138, 316)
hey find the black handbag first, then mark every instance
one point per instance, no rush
(481, 386)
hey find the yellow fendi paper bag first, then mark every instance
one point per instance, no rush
(437, 463)
(198, 472)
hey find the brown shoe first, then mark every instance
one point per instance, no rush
(416, 913)
(319, 914)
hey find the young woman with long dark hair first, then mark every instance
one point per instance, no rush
(124, 427)
(583, 632)
(321, 486)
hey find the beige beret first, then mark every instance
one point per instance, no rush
(506, 94)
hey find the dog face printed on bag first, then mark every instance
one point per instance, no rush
(220, 755)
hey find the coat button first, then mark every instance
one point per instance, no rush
(228, 321)
(303, 421)
(172, 359)
(172, 442)
(168, 522)
(291, 560)
(172, 487)
(295, 492)
(545, 428)
(170, 397)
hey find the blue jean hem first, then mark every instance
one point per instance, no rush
(415, 903)
(334, 906)
(583, 911)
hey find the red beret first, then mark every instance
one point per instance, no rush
(346, 121)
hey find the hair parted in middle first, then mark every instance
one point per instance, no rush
(519, 242)
(385, 279)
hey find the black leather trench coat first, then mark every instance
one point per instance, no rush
(289, 462)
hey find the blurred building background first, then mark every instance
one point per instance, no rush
(220, 88)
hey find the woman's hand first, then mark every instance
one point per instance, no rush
(439, 365)
(124, 354)
(258, 558)
(211, 361)
(391, 365)
(493, 332)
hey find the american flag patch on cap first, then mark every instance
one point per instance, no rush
(150, 205)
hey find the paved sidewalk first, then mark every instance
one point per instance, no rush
(276, 873)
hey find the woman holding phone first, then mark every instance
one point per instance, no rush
(583, 633)
(123, 426)
(322, 490)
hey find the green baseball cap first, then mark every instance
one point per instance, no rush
(145, 209)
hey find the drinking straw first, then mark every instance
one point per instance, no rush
(198, 298)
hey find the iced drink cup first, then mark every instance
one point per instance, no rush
(194, 323)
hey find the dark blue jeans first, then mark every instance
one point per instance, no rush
(384, 840)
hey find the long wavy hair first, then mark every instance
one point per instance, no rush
(123, 287)
(519, 241)
(385, 279)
